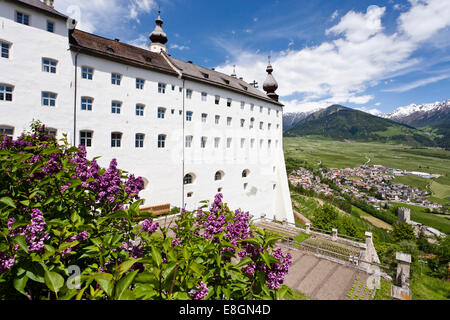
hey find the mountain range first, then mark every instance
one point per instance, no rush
(418, 125)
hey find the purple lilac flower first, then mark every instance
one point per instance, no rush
(83, 236)
(134, 251)
(176, 242)
(276, 274)
(201, 292)
(6, 262)
(149, 226)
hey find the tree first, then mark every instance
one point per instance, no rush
(403, 231)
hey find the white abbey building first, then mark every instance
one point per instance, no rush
(189, 131)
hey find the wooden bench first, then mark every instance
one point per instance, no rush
(157, 210)
(154, 211)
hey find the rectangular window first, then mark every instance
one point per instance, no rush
(204, 117)
(252, 143)
(49, 99)
(242, 143)
(50, 132)
(140, 84)
(229, 140)
(278, 113)
(22, 18)
(50, 26)
(269, 143)
(161, 113)
(189, 141)
(116, 79)
(268, 111)
(242, 105)
(216, 143)
(6, 92)
(203, 142)
(87, 73)
(86, 103)
(217, 119)
(5, 49)
(261, 143)
(261, 109)
(116, 140)
(188, 93)
(204, 96)
(86, 138)
(217, 100)
(7, 131)
(139, 143)
(49, 65)
(261, 125)
(229, 121)
(242, 123)
(161, 141)
(115, 107)
(140, 110)
(161, 88)
(189, 116)
(269, 126)
(252, 107)
(173, 88)
(229, 101)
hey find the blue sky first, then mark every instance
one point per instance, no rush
(370, 55)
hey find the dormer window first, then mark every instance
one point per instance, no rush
(205, 75)
(109, 49)
(226, 81)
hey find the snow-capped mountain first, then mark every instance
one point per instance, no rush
(291, 119)
(420, 115)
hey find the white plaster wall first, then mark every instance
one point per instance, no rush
(23, 70)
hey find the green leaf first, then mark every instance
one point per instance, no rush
(35, 272)
(244, 262)
(66, 245)
(125, 266)
(156, 255)
(124, 284)
(265, 257)
(252, 241)
(54, 281)
(20, 284)
(105, 282)
(8, 201)
(20, 240)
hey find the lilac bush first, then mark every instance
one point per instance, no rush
(59, 209)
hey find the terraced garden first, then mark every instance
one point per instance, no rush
(360, 291)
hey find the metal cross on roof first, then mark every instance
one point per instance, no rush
(254, 84)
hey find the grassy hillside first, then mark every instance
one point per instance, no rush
(342, 123)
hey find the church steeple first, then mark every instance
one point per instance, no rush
(158, 37)
(270, 85)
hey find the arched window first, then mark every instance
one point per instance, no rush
(245, 173)
(189, 179)
(218, 176)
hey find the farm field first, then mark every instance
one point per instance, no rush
(340, 154)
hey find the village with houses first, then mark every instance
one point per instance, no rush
(371, 184)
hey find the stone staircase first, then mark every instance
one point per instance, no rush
(321, 279)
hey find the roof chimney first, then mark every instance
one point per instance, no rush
(49, 2)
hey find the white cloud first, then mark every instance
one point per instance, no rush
(142, 42)
(425, 19)
(94, 15)
(417, 84)
(372, 111)
(341, 70)
(334, 15)
(358, 27)
(178, 47)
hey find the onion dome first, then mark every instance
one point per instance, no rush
(270, 85)
(158, 35)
